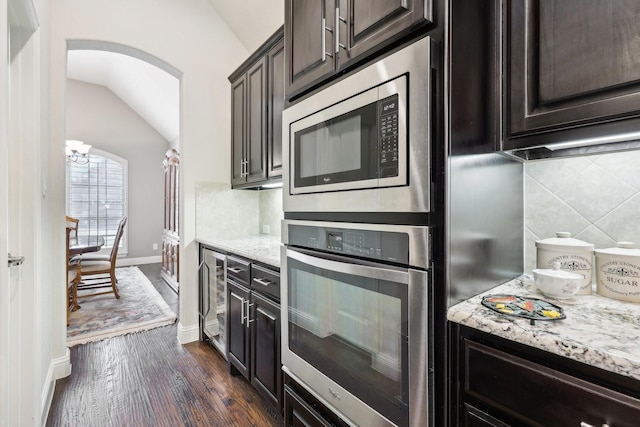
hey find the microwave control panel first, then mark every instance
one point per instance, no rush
(388, 137)
(378, 245)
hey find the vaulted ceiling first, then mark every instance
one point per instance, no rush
(152, 92)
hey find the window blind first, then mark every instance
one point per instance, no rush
(96, 196)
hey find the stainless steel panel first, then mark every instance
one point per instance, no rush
(486, 223)
(415, 59)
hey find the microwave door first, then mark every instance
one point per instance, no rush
(336, 148)
(354, 144)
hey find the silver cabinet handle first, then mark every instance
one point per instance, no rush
(241, 306)
(263, 282)
(583, 424)
(249, 320)
(15, 261)
(206, 266)
(324, 39)
(336, 32)
(234, 269)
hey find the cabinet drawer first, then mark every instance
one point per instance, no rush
(239, 269)
(265, 281)
(536, 395)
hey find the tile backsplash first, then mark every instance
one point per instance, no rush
(225, 213)
(595, 198)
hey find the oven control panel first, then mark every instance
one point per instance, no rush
(378, 245)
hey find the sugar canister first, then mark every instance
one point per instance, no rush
(574, 255)
(618, 272)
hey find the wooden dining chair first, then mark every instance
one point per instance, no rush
(72, 281)
(72, 224)
(100, 272)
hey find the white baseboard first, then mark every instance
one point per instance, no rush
(62, 366)
(58, 368)
(188, 334)
(125, 262)
(47, 395)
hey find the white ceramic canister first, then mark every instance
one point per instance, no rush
(618, 272)
(573, 255)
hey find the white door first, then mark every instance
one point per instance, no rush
(5, 282)
(19, 403)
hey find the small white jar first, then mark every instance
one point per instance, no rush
(618, 272)
(574, 256)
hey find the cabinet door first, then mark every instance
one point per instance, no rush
(237, 331)
(238, 129)
(367, 26)
(275, 58)
(256, 141)
(266, 370)
(309, 42)
(570, 63)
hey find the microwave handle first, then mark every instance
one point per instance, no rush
(378, 273)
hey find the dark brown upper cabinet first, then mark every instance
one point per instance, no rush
(572, 70)
(275, 104)
(257, 102)
(324, 37)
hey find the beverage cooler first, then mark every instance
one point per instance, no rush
(213, 291)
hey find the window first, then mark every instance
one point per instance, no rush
(97, 194)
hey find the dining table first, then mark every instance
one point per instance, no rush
(85, 244)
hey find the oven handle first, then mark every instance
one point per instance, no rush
(378, 273)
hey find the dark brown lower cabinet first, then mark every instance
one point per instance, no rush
(266, 369)
(238, 332)
(501, 383)
(254, 328)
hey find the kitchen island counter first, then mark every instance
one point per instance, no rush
(262, 248)
(597, 331)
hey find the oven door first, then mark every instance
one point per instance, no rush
(355, 335)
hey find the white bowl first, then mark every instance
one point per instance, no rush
(556, 283)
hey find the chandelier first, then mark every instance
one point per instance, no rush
(77, 151)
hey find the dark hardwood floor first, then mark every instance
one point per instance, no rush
(150, 379)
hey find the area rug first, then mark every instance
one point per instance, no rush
(139, 308)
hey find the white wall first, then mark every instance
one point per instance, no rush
(191, 37)
(98, 117)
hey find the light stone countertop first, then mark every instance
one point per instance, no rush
(262, 248)
(598, 331)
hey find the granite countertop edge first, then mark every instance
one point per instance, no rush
(598, 331)
(261, 248)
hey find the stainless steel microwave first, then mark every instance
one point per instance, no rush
(363, 144)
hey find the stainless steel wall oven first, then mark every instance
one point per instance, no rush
(355, 304)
